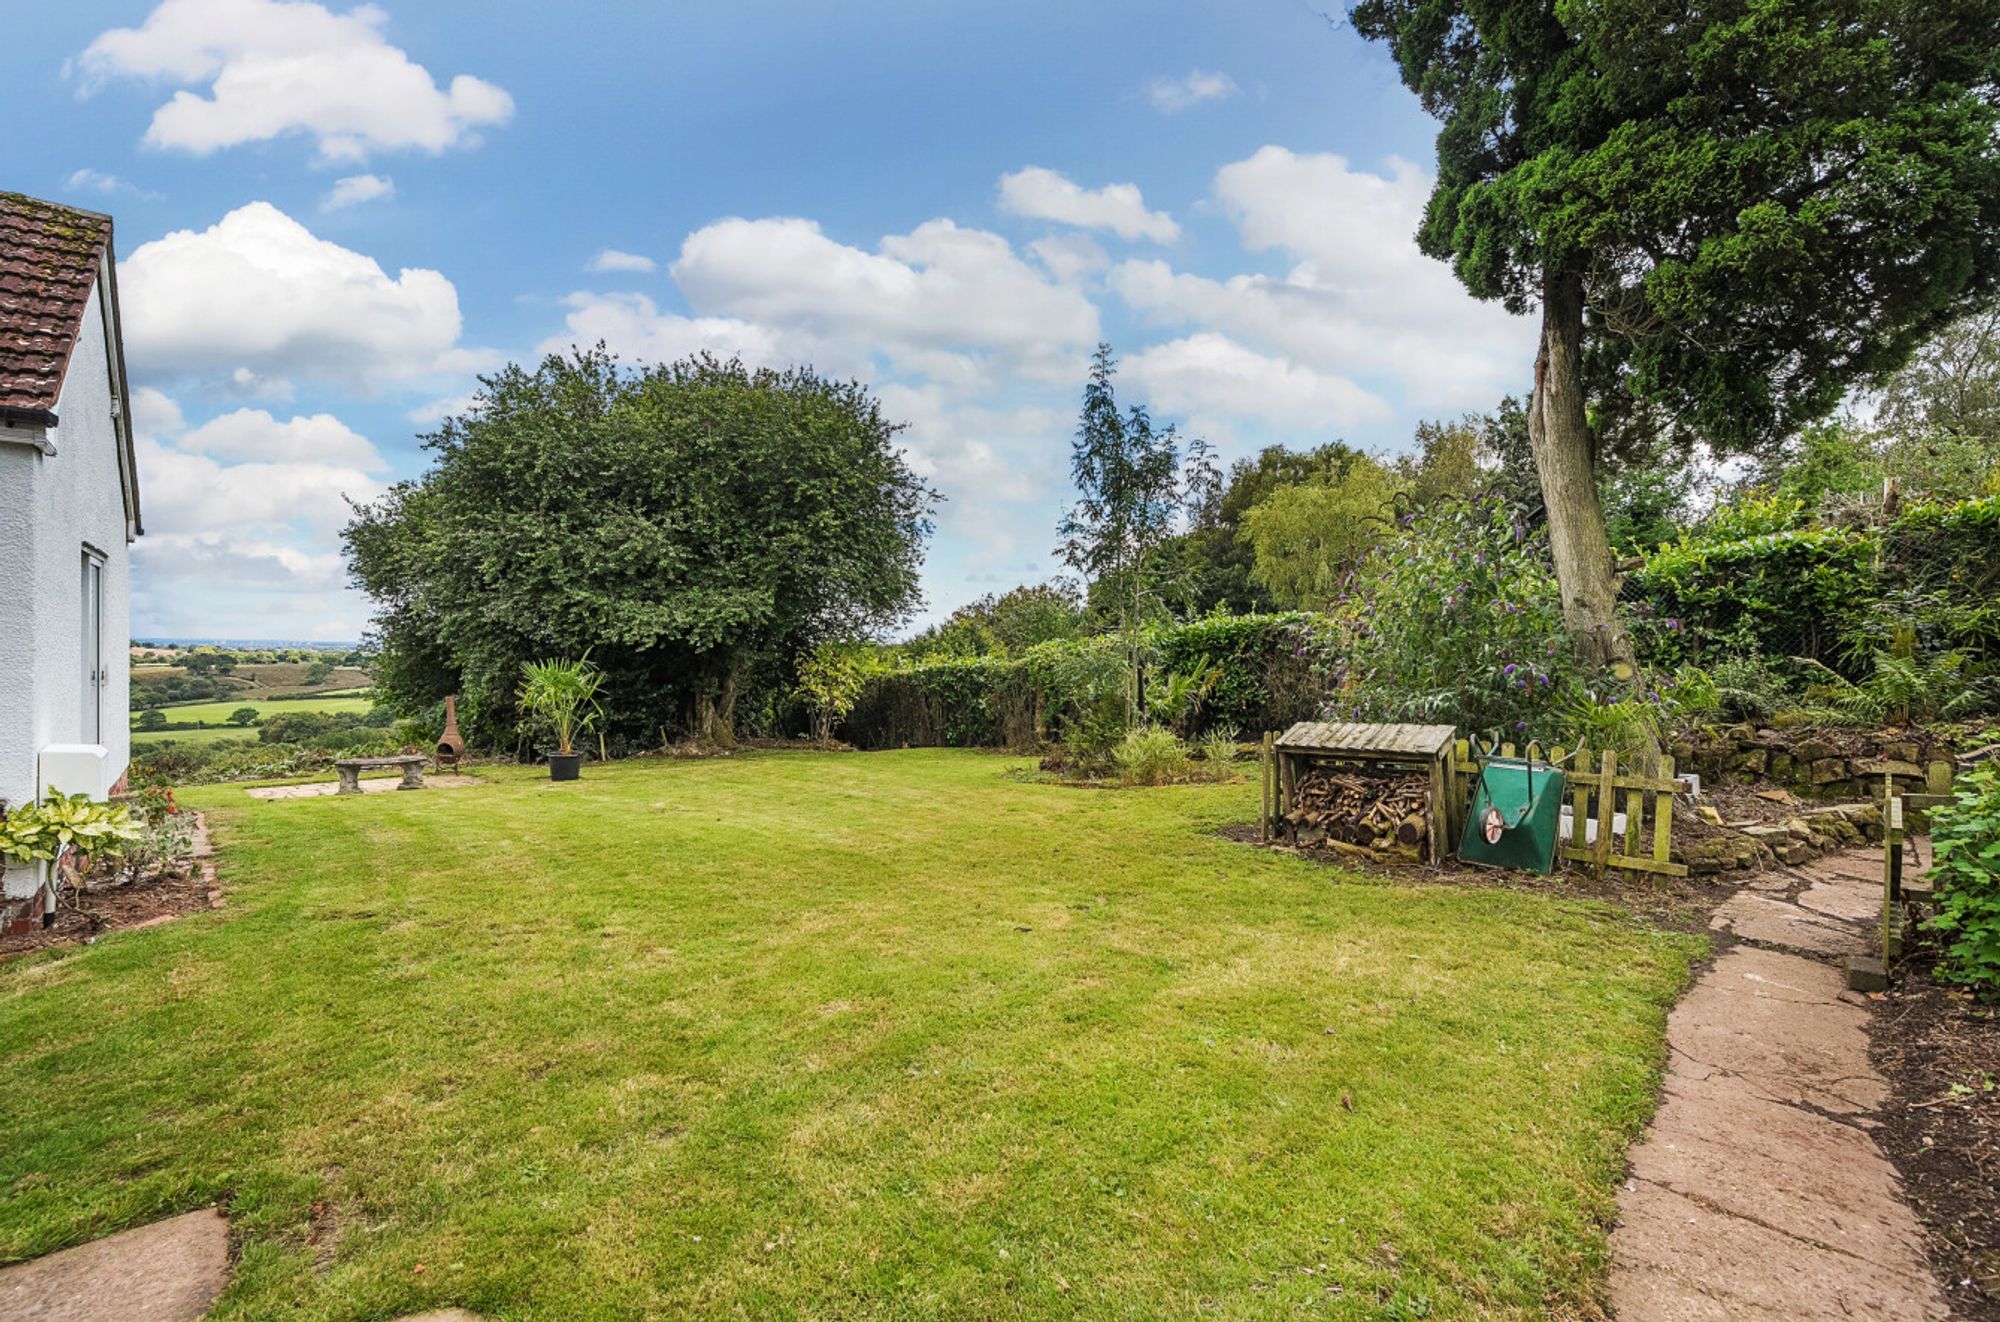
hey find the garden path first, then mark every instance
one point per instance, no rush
(1759, 1192)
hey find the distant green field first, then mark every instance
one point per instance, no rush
(217, 712)
(144, 738)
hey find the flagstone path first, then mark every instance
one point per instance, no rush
(1758, 1193)
(169, 1271)
(371, 785)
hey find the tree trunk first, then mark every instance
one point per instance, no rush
(715, 708)
(1566, 462)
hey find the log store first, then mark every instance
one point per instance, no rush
(1376, 788)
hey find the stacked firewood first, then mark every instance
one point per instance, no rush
(1383, 812)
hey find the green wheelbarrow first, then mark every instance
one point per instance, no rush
(1516, 816)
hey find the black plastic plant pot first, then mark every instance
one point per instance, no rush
(565, 766)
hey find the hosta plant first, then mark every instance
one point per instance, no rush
(38, 832)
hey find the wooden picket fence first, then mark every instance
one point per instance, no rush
(1594, 795)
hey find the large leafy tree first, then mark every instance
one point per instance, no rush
(1727, 214)
(689, 526)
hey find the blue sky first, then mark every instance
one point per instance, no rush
(330, 218)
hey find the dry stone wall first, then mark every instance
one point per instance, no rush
(1841, 764)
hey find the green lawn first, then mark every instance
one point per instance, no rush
(220, 711)
(835, 1035)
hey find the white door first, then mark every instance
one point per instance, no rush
(93, 648)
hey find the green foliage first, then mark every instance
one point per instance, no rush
(563, 693)
(1644, 504)
(1965, 838)
(1775, 592)
(151, 719)
(1630, 727)
(1131, 486)
(1941, 576)
(694, 527)
(1826, 459)
(1004, 624)
(1946, 403)
(1174, 699)
(1209, 567)
(1903, 686)
(334, 729)
(1306, 539)
(42, 830)
(830, 681)
(1217, 753)
(1749, 686)
(1766, 202)
(241, 716)
(1074, 691)
(1754, 580)
(1151, 755)
(1456, 620)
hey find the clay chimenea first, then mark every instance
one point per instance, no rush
(451, 744)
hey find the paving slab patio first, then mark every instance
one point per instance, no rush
(375, 785)
(169, 1271)
(1759, 1192)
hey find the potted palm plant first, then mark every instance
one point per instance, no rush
(564, 693)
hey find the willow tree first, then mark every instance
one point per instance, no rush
(1728, 214)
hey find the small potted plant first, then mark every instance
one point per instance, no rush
(565, 694)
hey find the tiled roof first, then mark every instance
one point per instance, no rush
(49, 258)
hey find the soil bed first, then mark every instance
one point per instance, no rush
(105, 910)
(1940, 1051)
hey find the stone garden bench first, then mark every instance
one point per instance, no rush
(350, 769)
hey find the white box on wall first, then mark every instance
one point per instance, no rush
(73, 769)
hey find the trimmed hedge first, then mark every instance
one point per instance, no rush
(1268, 681)
(1812, 591)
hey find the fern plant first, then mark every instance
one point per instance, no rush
(1904, 687)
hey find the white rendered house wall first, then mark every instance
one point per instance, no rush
(57, 512)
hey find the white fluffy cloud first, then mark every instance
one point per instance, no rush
(254, 435)
(356, 189)
(258, 298)
(942, 301)
(1211, 378)
(972, 345)
(1191, 89)
(196, 494)
(153, 414)
(610, 259)
(1071, 258)
(1044, 194)
(242, 517)
(1358, 299)
(280, 67)
(634, 327)
(981, 452)
(88, 180)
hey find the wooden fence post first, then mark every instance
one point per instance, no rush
(1607, 803)
(1663, 815)
(1287, 777)
(1264, 779)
